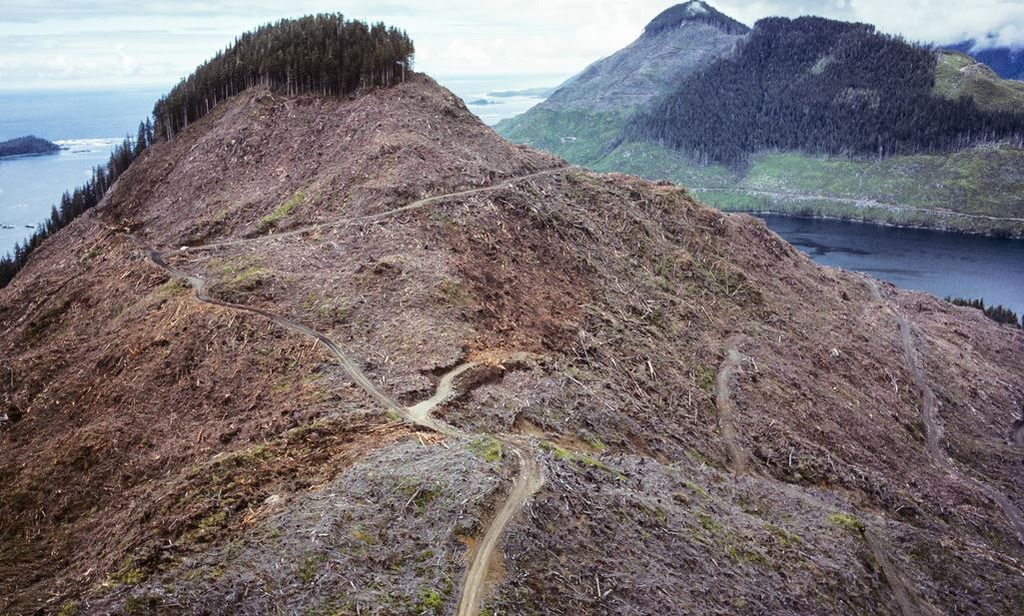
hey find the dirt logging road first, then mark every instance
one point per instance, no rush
(529, 478)
(933, 423)
(415, 205)
(734, 362)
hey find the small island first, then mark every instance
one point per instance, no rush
(484, 101)
(27, 146)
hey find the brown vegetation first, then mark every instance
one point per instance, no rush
(170, 456)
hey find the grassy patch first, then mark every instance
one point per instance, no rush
(281, 211)
(847, 522)
(68, 608)
(42, 322)
(704, 377)
(127, 575)
(712, 526)
(486, 448)
(656, 162)
(784, 537)
(580, 460)
(578, 136)
(431, 601)
(594, 442)
(333, 310)
(311, 565)
(173, 287)
(697, 489)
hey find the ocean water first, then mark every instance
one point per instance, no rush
(90, 123)
(943, 264)
(476, 88)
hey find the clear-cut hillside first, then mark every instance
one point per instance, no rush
(364, 356)
(1007, 62)
(585, 114)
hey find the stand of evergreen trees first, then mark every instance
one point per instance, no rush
(74, 204)
(999, 314)
(322, 54)
(818, 86)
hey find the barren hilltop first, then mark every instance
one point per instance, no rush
(362, 356)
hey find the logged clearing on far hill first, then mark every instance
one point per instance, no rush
(360, 355)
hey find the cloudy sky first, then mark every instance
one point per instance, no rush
(107, 43)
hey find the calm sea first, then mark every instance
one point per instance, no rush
(943, 264)
(89, 123)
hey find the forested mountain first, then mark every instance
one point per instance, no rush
(1008, 63)
(806, 116)
(29, 145)
(584, 116)
(819, 86)
(324, 54)
(694, 12)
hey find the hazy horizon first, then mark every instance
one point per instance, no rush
(104, 44)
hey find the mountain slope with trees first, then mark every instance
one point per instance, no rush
(324, 54)
(817, 117)
(959, 75)
(584, 116)
(822, 87)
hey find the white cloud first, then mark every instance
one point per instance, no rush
(113, 42)
(927, 21)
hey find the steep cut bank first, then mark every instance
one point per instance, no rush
(495, 317)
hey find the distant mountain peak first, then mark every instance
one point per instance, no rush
(695, 10)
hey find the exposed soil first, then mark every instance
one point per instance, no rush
(405, 323)
(727, 410)
(527, 482)
(933, 425)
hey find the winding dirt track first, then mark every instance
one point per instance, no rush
(528, 481)
(415, 205)
(727, 410)
(421, 410)
(357, 376)
(933, 424)
(910, 603)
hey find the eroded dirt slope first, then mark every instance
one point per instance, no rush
(175, 455)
